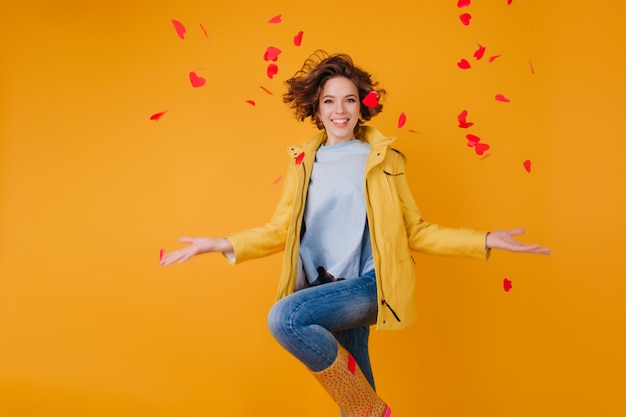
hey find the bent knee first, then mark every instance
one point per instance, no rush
(277, 320)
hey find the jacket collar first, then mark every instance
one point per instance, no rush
(368, 134)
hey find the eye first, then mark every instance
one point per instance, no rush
(327, 101)
(351, 100)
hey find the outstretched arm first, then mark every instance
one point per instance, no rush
(197, 246)
(503, 239)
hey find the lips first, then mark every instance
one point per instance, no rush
(340, 123)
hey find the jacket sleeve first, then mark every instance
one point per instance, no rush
(431, 238)
(270, 238)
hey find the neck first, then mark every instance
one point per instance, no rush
(336, 141)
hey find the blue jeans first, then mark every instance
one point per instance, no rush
(310, 322)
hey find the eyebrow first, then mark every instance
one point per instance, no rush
(331, 96)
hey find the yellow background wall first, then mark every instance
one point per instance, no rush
(91, 189)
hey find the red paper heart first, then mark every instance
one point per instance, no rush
(251, 102)
(276, 19)
(157, 116)
(464, 64)
(481, 148)
(180, 28)
(502, 98)
(271, 53)
(401, 120)
(196, 80)
(465, 18)
(478, 54)
(493, 58)
(277, 180)
(532, 68)
(472, 140)
(527, 165)
(161, 253)
(299, 158)
(462, 118)
(297, 40)
(463, 3)
(507, 284)
(371, 99)
(272, 69)
(509, 2)
(267, 91)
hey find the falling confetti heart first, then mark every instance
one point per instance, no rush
(277, 180)
(299, 158)
(532, 68)
(493, 58)
(272, 70)
(502, 98)
(507, 284)
(196, 80)
(481, 148)
(371, 99)
(473, 141)
(527, 165)
(271, 53)
(509, 2)
(161, 253)
(267, 91)
(157, 116)
(180, 28)
(479, 53)
(462, 118)
(463, 3)
(297, 40)
(251, 102)
(464, 64)
(401, 120)
(465, 18)
(276, 19)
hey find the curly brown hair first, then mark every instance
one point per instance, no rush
(305, 87)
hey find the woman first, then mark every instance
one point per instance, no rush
(347, 222)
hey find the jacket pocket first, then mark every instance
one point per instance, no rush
(398, 292)
(386, 304)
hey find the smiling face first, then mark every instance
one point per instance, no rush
(339, 109)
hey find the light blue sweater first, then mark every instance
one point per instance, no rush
(336, 232)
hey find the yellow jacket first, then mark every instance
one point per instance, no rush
(395, 222)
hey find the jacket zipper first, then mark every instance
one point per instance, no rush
(300, 209)
(383, 301)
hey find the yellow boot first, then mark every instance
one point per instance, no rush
(345, 382)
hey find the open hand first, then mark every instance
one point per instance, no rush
(197, 246)
(503, 239)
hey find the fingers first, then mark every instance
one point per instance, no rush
(533, 249)
(172, 257)
(517, 231)
(543, 251)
